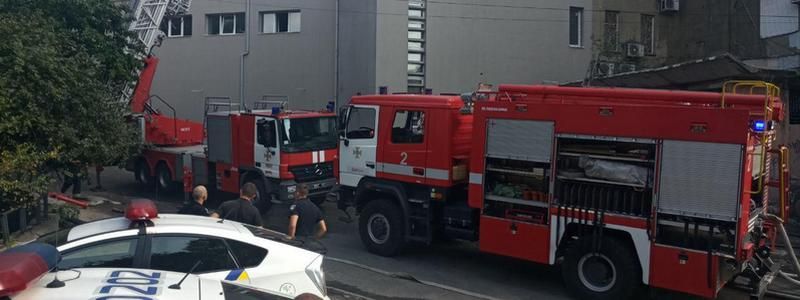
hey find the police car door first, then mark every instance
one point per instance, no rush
(267, 152)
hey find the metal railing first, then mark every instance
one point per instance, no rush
(174, 114)
(770, 92)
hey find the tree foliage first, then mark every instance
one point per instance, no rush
(63, 64)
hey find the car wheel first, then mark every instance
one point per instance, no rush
(163, 178)
(263, 200)
(381, 227)
(142, 173)
(611, 272)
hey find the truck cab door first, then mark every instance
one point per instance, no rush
(358, 145)
(267, 151)
(404, 155)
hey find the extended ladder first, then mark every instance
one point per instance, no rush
(147, 18)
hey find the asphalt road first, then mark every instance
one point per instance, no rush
(444, 270)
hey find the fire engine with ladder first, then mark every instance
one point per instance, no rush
(622, 187)
(268, 145)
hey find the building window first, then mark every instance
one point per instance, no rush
(281, 21)
(414, 68)
(575, 26)
(649, 34)
(415, 46)
(416, 80)
(225, 24)
(408, 127)
(416, 13)
(177, 26)
(611, 31)
(415, 57)
(415, 35)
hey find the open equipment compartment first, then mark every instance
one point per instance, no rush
(607, 174)
(517, 190)
(517, 182)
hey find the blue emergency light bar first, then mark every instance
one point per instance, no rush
(759, 126)
(276, 110)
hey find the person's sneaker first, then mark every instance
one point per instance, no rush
(79, 196)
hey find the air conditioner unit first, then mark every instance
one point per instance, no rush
(634, 50)
(669, 5)
(605, 69)
(625, 68)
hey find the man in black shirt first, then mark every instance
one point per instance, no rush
(199, 194)
(241, 210)
(305, 219)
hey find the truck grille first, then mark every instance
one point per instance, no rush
(312, 172)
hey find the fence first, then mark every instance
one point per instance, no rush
(18, 220)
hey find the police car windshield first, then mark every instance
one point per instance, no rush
(308, 134)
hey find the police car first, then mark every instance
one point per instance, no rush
(223, 250)
(28, 272)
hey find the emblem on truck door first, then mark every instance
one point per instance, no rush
(357, 152)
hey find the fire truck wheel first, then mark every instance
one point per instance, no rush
(381, 227)
(612, 272)
(164, 178)
(142, 173)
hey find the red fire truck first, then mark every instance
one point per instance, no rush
(620, 186)
(271, 147)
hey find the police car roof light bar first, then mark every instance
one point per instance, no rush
(141, 210)
(19, 266)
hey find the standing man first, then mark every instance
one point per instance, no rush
(241, 210)
(305, 219)
(195, 207)
(99, 187)
(72, 178)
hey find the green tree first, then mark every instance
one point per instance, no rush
(63, 64)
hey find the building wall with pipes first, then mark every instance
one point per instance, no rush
(517, 41)
(464, 43)
(299, 65)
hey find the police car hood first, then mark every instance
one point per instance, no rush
(106, 283)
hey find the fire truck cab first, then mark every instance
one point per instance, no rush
(396, 154)
(620, 186)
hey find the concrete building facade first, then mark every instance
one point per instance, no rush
(315, 51)
(765, 33)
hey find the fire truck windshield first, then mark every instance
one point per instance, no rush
(308, 134)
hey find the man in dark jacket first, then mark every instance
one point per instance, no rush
(305, 218)
(241, 210)
(195, 207)
(72, 178)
